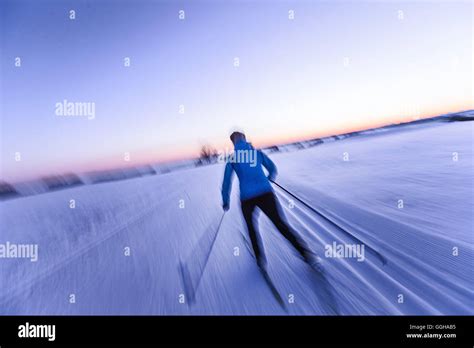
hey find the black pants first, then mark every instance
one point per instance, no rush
(268, 204)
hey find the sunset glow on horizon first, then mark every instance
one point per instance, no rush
(166, 78)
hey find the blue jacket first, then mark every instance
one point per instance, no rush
(247, 163)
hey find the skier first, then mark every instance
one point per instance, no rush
(256, 191)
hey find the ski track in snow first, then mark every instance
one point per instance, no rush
(81, 251)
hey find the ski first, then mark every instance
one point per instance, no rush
(319, 279)
(265, 275)
(273, 289)
(324, 290)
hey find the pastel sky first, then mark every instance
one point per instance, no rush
(337, 66)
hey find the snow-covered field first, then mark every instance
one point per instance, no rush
(427, 239)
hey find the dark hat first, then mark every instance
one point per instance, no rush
(235, 135)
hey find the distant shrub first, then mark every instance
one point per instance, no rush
(7, 191)
(207, 154)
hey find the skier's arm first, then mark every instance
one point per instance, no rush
(270, 166)
(227, 184)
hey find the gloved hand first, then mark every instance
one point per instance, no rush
(225, 206)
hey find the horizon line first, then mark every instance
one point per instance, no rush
(263, 144)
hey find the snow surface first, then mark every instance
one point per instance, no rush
(81, 250)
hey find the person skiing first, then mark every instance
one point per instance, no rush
(256, 192)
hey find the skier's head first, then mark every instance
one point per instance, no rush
(237, 136)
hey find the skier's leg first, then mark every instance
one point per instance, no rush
(268, 204)
(248, 209)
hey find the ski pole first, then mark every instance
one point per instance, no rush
(380, 256)
(185, 273)
(210, 249)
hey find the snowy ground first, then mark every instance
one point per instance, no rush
(81, 250)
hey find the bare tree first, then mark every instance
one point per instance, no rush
(208, 154)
